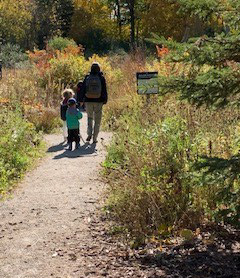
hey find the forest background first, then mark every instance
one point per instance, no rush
(98, 25)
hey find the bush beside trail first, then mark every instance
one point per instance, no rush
(20, 145)
(155, 184)
(12, 56)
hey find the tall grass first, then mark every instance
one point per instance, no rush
(19, 146)
(23, 117)
(154, 184)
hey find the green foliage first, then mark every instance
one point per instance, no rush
(19, 145)
(155, 189)
(224, 176)
(67, 70)
(158, 174)
(65, 9)
(11, 55)
(60, 43)
(23, 118)
(53, 18)
(212, 87)
(203, 8)
(92, 26)
(206, 72)
(101, 26)
(15, 20)
(157, 166)
(212, 69)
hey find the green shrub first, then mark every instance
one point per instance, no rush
(155, 168)
(220, 177)
(152, 169)
(66, 70)
(60, 43)
(19, 144)
(11, 55)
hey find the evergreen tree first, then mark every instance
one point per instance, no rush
(211, 69)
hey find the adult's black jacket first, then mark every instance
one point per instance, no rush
(104, 95)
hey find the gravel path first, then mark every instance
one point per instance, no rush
(50, 212)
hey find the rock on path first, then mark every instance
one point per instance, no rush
(48, 215)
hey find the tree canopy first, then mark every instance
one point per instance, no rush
(15, 20)
(100, 25)
(210, 64)
(103, 25)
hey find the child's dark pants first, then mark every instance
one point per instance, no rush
(73, 135)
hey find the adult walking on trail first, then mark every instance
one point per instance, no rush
(94, 95)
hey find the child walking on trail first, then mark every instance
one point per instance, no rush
(73, 115)
(67, 94)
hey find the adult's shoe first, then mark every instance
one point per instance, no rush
(89, 138)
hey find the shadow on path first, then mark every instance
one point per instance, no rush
(85, 150)
(198, 259)
(57, 148)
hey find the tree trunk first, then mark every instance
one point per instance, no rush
(186, 34)
(131, 6)
(137, 34)
(119, 18)
(198, 27)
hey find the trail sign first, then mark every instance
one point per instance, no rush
(147, 83)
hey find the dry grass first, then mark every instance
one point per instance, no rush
(149, 168)
(39, 106)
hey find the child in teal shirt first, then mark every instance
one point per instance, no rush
(73, 115)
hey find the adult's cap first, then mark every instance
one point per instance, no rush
(72, 101)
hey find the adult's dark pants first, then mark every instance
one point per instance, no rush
(73, 136)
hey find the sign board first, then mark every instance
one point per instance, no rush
(147, 83)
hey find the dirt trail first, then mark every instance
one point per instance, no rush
(48, 215)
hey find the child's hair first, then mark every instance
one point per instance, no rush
(67, 93)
